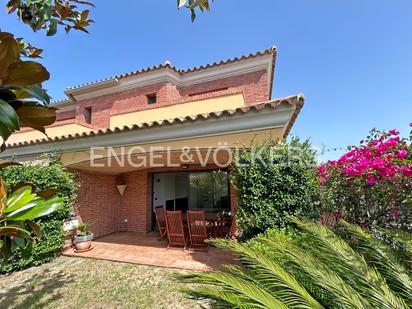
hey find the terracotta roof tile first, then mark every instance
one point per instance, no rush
(296, 100)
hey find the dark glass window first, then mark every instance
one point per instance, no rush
(151, 98)
(207, 190)
(88, 115)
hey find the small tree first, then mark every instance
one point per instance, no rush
(273, 181)
(372, 183)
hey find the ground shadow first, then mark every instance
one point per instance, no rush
(35, 291)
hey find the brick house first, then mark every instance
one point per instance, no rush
(161, 136)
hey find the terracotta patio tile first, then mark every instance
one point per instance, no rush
(147, 249)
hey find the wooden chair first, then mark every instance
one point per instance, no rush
(161, 220)
(175, 230)
(196, 223)
(226, 229)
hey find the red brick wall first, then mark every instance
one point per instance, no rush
(99, 202)
(254, 87)
(65, 115)
(135, 204)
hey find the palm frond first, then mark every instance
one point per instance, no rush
(324, 271)
(237, 291)
(381, 256)
(402, 239)
(352, 266)
(321, 275)
(266, 271)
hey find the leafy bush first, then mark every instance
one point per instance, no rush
(52, 176)
(372, 183)
(274, 180)
(324, 272)
(287, 235)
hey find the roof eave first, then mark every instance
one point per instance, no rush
(279, 113)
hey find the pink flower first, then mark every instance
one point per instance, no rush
(370, 180)
(406, 171)
(373, 143)
(410, 124)
(402, 154)
(372, 161)
(395, 213)
(394, 132)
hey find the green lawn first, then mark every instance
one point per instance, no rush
(86, 283)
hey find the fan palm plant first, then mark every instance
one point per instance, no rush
(325, 272)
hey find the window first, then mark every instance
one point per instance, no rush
(206, 190)
(209, 191)
(151, 98)
(88, 115)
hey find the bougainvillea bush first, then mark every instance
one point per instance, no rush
(371, 184)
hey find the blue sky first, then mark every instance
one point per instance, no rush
(351, 58)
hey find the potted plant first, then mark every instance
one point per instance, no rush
(83, 239)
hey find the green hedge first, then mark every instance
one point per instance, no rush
(51, 176)
(274, 180)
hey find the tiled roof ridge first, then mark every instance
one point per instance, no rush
(168, 65)
(297, 100)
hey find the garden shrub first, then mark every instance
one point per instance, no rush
(274, 180)
(372, 183)
(53, 175)
(290, 235)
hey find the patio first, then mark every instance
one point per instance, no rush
(149, 249)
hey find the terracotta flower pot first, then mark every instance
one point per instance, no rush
(83, 243)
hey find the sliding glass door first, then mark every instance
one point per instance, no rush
(206, 190)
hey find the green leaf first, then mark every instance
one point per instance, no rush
(3, 192)
(19, 242)
(25, 73)
(26, 252)
(9, 51)
(199, 3)
(84, 2)
(35, 116)
(8, 120)
(14, 231)
(42, 208)
(36, 229)
(24, 184)
(181, 3)
(7, 164)
(48, 193)
(33, 91)
(193, 14)
(52, 28)
(20, 198)
(23, 209)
